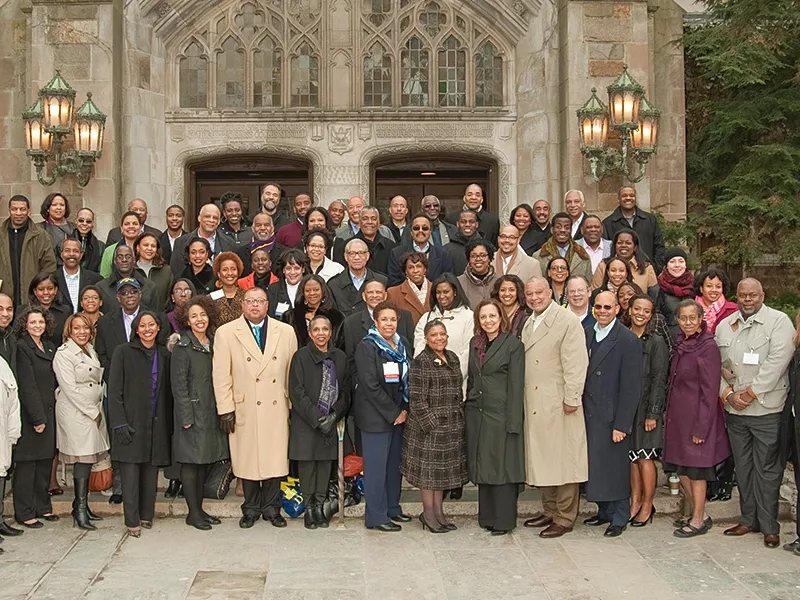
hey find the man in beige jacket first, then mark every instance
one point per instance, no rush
(251, 375)
(511, 259)
(556, 458)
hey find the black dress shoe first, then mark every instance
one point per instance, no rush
(8, 530)
(790, 547)
(595, 521)
(173, 488)
(614, 530)
(401, 518)
(308, 519)
(499, 532)
(34, 525)
(200, 524)
(387, 527)
(115, 499)
(247, 522)
(211, 520)
(51, 518)
(275, 520)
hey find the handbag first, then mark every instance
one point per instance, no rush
(218, 480)
(101, 477)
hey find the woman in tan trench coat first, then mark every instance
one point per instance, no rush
(252, 394)
(555, 434)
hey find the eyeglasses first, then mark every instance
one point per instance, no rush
(86, 221)
(357, 253)
(603, 307)
(688, 319)
(559, 268)
(316, 246)
(479, 256)
(255, 301)
(182, 292)
(420, 228)
(128, 292)
(505, 236)
(577, 292)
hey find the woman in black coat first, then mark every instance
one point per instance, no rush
(313, 298)
(140, 415)
(198, 270)
(198, 440)
(36, 447)
(434, 449)
(648, 427)
(494, 415)
(381, 407)
(282, 295)
(91, 247)
(43, 292)
(319, 390)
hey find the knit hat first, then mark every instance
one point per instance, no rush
(675, 253)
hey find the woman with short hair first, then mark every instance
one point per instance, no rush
(228, 269)
(313, 298)
(317, 244)
(55, 212)
(290, 268)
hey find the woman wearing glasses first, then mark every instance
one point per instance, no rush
(92, 247)
(557, 275)
(695, 438)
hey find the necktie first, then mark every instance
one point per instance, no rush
(257, 333)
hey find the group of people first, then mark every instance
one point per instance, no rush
(560, 351)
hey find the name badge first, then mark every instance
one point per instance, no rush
(391, 372)
(281, 308)
(750, 358)
(216, 294)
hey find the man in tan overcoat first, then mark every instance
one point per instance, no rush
(251, 376)
(556, 360)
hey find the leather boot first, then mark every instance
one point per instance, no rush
(80, 506)
(92, 516)
(319, 515)
(195, 517)
(310, 515)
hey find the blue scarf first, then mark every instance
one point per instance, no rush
(399, 356)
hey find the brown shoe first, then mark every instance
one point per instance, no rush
(772, 540)
(538, 520)
(554, 530)
(738, 530)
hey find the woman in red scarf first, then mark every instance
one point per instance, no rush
(711, 288)
(676, 283)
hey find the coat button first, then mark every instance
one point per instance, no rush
(248, 359)
(536, 387)
(274, 358)
(257, 380)
(259, 402)
(90, 385)
(90, 368)
(274, 401)
(536, 362)
(274, 380)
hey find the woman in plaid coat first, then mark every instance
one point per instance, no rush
(434, 448)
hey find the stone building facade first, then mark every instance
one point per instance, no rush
(341, 86)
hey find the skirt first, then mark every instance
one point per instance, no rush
(646, 453)
(435, 460)
(697, 473)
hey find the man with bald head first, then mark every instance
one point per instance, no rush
(291, 235)
(511, 258)
(264, 238)
(488, 223)
(346, 287)
(540, 226)
(138, 206)
(756, 348)
(610, 399)
(207, 228)
(555, 430)
(348, 230)
(398, 211)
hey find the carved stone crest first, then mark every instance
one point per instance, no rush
(364, 131)
(317, 131)
(341, 138)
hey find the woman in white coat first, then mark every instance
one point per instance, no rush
(81, 429)
(10, 429)
(449, 305)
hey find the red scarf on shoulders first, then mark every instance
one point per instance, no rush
(680, 287)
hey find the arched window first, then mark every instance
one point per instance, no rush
(414, 74)
(193, 78)
(267, 74)
(377, 77)
(452, 74)
(488, 76)
(230, 75)
(305, 78)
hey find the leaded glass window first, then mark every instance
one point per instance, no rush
(305, 78)
(377, 77)
(267, 74)
(230, 75)
(488, 76)
(377, 11)
(414, 74)
(193, 78)
(452, 74)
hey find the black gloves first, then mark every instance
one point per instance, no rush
(123, 434)
(327, 423)
(227, 422)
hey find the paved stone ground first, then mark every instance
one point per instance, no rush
(173, 561)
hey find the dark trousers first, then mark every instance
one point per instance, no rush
(31, 482)
(314, 477)
(193, 479)
(382, 478)
(262, 498)
(139, 483)
(755, 442)
(173, 471)
(497, 506)
(618, 512)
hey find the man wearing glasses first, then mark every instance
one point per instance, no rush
(251, 378)
(438, 260)
(346, 287)
(441, 232)
(511, 259)
(610, 399)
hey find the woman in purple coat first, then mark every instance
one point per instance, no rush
(694, 434)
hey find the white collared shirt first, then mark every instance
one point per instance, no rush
(127, 321)
(576, 225)
(537, 319)
(601, 333)
(73, 288)
(506, 260)
(291, 291)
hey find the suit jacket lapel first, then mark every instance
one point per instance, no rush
(605, 347)
(119, 327)
(271, 347)
(543, 327)
(498, 341)
(245, 335)
(411, 297)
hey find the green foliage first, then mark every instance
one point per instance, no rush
(743, 131)
(788, 303)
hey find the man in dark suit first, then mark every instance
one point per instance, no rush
(629, 216)
(466, 231)
(124, 268)
(439, 260)
(207, 227)
(489, 224)
(174, 230)
(379, 246)
(71, 278)
(398, 211)
(346, 287)
(138, 206)
(263, 231)
(575, 207)
(610, 400)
